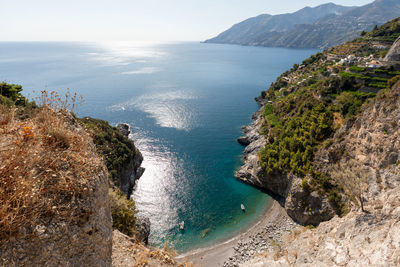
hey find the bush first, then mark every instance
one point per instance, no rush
(116, 148)
(350, 102)
(123, 212)
(393, 81)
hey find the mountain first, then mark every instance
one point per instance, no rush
(319, 27)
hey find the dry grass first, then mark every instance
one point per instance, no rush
(145, 256)
(46, 165)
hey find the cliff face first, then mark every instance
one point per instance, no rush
(122, 158)
(360, 238)
(293, 137)
(131, 170)
(286, 186)
(394, 52)
(56, 203)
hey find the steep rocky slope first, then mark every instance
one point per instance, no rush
(326, 143)
(359, 238)
(300, 114)
(122, 158)
(394, 52)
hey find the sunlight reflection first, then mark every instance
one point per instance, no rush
(124, 53)
(169, 109)
(153, 194)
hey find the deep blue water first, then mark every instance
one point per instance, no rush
(185, 103)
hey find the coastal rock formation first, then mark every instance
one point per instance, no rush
(394, 53)
(359, 238)
(128, 176)
(143, 229)
(304, 208)
(131, 171)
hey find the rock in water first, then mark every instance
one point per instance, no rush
(243, 140)
(124, 129)
(143, 229)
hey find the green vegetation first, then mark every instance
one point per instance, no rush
(11, 93)
(123, 212)
(357, 69)
(348, 102)
(116, 149)
(388, 32)
(393, 81)
(308, 103)
(10, 96)
(294, 147)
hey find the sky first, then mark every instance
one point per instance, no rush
(135, 20)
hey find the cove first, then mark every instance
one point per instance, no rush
(185, 103)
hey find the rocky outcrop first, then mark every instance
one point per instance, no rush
(301, 206)
(143, 229)
(359, 238)
(131, 171)
(76, 229)
(394, 53)
(127, 252)
(129, 174)
(307, 208)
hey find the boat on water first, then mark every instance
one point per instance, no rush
(182, 225)
(242, 207)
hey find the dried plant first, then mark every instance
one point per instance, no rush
(353, 178)
(42, 171)
(69, 101)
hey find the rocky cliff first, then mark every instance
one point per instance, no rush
(122, 158)
(54, 208)
(370, 237)
(325, 141)
(292, 135)
(131, 170)
(286, 187)
(394, 53)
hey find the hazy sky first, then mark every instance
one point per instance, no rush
(136, 20)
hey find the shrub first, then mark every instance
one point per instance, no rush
(393, 81)
(123, 212)
(350, 102)
(116, 149)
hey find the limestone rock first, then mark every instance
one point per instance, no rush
(394, 52)
(143, 229)
(124, 129)
(360, 238)
(132, 171)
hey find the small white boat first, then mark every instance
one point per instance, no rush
(242, 207)
(182, 225)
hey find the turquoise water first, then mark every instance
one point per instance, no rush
(185, 103)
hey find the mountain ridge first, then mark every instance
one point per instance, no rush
(317, 27)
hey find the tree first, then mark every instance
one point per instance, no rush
(353, 178)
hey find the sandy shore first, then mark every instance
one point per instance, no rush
(242, 247)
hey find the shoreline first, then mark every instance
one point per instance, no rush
(272, 224)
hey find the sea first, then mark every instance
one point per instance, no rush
(185, 103)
